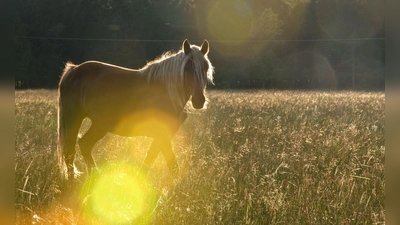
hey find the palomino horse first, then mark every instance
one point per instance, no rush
(147, 102)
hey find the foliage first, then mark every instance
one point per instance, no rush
(267, 26)
(255, 157)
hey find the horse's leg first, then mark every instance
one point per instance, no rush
(152, 154)
(86, 143)
(72, 130)
(167, 151)
(163, 144)
(170, 157)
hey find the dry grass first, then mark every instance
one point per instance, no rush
(256, 157)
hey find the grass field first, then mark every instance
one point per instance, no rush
(253, 157)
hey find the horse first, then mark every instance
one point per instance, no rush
(152, 101)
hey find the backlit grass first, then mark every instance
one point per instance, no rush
(253, 157)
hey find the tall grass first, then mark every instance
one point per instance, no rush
(254, 157)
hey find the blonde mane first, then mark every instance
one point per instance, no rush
(170, 68)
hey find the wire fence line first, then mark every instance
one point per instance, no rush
(175, 40)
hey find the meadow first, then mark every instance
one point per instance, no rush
(252, 157)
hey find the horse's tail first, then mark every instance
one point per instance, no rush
(61, 141)
(61, 124)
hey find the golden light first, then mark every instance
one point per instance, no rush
(229, 23)
(230, 20)
(118, 193)
(152, 122)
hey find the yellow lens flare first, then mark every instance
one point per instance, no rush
(118, 193)
(230, 20)
(229, 23)
(152, 123)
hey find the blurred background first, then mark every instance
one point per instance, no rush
(275, 44)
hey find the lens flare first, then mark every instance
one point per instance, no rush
(118, 193)
(150, 122)
(229, 23)
(230, 20)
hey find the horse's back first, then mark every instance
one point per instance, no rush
(93, 75)
(91, 70)
(81, 84)
(107, 93)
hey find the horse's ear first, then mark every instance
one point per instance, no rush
(205, 47)
(186, 46)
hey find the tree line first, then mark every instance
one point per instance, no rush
(282, 44)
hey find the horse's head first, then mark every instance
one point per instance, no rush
(198, 71)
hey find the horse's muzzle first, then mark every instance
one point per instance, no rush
(198, 102)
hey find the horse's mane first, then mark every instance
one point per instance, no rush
(169, 69)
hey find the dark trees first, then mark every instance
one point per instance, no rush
(305, 44)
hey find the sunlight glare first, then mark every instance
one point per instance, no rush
(150, 122)
(119, 193)
(229, 23)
